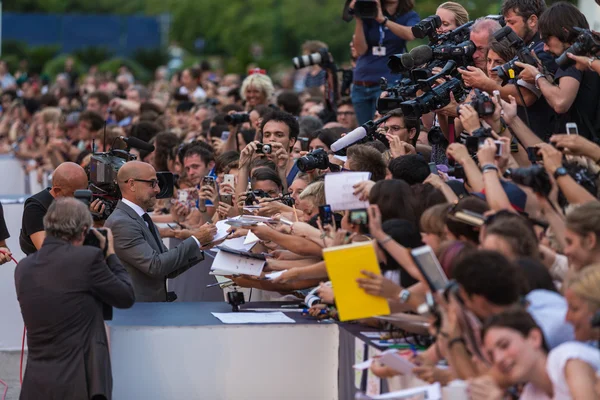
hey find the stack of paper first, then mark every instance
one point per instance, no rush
(344, 265)
(339, 190)
(254, 318)
(234, 262)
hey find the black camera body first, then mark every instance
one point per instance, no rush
(434, 99)
(262, 148)
(478, 136)
(235, 299)
(237, 118)
(436, 136)
(482, 103)
(587, 43)
(365, 9)
(510, 70)
(534, 177)
(253, 196)
(316, 159)
(92, 240)
(457, 171)
(427, 28)
(397, 94)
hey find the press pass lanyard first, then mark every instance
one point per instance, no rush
(381, 36)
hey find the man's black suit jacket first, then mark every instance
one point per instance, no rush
(61, 290)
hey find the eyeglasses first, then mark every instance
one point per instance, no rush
(346, 113)
(394, 128)
(153, 182)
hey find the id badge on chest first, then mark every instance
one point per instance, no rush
(379, 51)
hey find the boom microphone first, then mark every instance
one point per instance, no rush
(421, 54)
(137, 143)
(350, 138)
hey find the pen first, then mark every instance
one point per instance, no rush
(290, 306)
(413, 349)
(322, 312)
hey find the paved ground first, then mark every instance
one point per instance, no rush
(9, 373)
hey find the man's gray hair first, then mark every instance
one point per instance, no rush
(486, 24)
(67, 218)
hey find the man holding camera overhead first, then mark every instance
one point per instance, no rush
(137, 241)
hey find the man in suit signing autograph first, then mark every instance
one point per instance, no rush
(137, 241)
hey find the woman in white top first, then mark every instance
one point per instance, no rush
(518, 350)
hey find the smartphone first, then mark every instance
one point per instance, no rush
(229, 179)
(359, 217)
(430, 267)
(433, 168)
(499, 148)
(326, 215)
(208, 181)
(303, 143)
(532, 154)
(496, 94)
(224, 135)
(227, 198)
(572, 128)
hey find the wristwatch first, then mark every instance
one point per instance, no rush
(538, 76)
(404, 296)
(385, 20)
(560, 171)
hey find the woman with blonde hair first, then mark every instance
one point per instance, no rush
(452, 15)
(583, 298)
(257, 89)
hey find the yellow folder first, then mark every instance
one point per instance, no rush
(344, 264)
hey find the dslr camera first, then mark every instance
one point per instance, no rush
(253, 196)
(534, 177)
(587, 43)
(482, 103)
(317, 58)
(237, 118)
(316, 159)
(365, 9)
(510, 70)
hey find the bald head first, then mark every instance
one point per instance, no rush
(67, 178)
(134, 170)
(135, 181)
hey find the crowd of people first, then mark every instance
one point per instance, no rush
(514, 220)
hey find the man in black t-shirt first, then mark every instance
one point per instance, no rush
(4, 251)
(66, 179)
(572, 94)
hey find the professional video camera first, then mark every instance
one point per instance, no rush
(396, 94)
(586, 44)
(534, 177)
(102, 175)
(510, 70)
(427, 27)
(436, 97)
(461, 52)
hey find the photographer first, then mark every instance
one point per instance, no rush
(66, 179)
(522, 17)
(279, 132)
(316, 76)
(61, 290)
(375, 40)
(575, 94)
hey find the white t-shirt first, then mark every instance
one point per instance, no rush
(555, 367)
(198, 95)
(549, 309)
(557, 361)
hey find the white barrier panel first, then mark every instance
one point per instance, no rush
(13, 176)
(11, 323)
(220, 362)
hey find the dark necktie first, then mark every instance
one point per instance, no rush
(152, 228)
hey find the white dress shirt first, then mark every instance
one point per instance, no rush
(140, 211)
